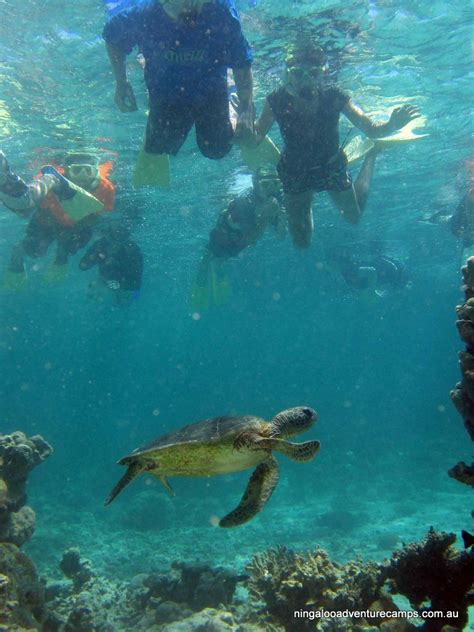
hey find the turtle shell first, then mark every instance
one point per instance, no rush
(216, 430)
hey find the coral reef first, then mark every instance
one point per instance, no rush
(462, 395)
(21, 591)
(196, 596)
(18, 456)
(287, 582)
(73, 568)
(434, 571)
(432, 575)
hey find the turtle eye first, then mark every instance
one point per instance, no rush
(308, 412)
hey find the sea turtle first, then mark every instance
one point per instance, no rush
(226, 444)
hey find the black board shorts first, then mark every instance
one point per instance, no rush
(329, 177)
(169, 123)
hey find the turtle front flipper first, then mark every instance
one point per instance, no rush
(298, 452)
(259, 489)
(133, 470)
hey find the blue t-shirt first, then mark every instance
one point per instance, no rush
(182, 61)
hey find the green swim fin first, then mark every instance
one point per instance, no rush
(55, 274)
(152, 170)
(264, 153)
(221, 287)
(14, 281)
(199, 299)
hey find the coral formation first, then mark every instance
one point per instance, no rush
(287, 582)
(18, 456)
(21, 592)
(432, 575)
(433, 571)
(197, 595)
(73, 568)
(462, 395)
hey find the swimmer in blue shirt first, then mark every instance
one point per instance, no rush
(188, 46)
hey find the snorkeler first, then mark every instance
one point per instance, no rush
(307, 113)
(66, 202)
(120, 263)
(239, 226)
(375, 273)
(460, 222)
(187, 45)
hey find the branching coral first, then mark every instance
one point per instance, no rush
(18, 456)
(434, 572)
(287, 581)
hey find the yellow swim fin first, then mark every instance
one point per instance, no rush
(14, 281)
(152, 170)
(221, 287)
(357, 148)
(199, 299)
(264, 153)
(55, 274)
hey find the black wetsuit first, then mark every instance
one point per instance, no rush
(42, 230)
(117, 261)
(311, 160)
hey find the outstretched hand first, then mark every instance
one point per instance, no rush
(402, 115)
(125, 97)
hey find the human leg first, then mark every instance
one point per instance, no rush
(350, 198)
(167, 127)
(214, 132)
(300, 217)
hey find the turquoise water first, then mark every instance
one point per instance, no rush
(97, 381)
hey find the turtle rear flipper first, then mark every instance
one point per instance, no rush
(298, 452)
(259, 489)
(133, 470)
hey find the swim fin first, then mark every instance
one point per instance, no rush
(78, 203)
(266, 152)
(357, 148)
(55, 274)
(151, 170)
(199, 299)
(221, 287)
(14, 281)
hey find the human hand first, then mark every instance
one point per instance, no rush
(245, 128)
(402, 115)
(125, 97)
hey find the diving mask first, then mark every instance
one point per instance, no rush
(82, 171)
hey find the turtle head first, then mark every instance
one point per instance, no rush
(293, 421)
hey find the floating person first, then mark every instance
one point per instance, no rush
(224, 445)
(239, 226)
(307, 113)
(120, 263)
(66, 204)
(376, 274)
(187, 46)
(460, 222)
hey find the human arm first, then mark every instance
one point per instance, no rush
(124, 95)
(399, 117)
(246, 109)
(265, 122)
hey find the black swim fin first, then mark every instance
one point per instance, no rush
(467, 538)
